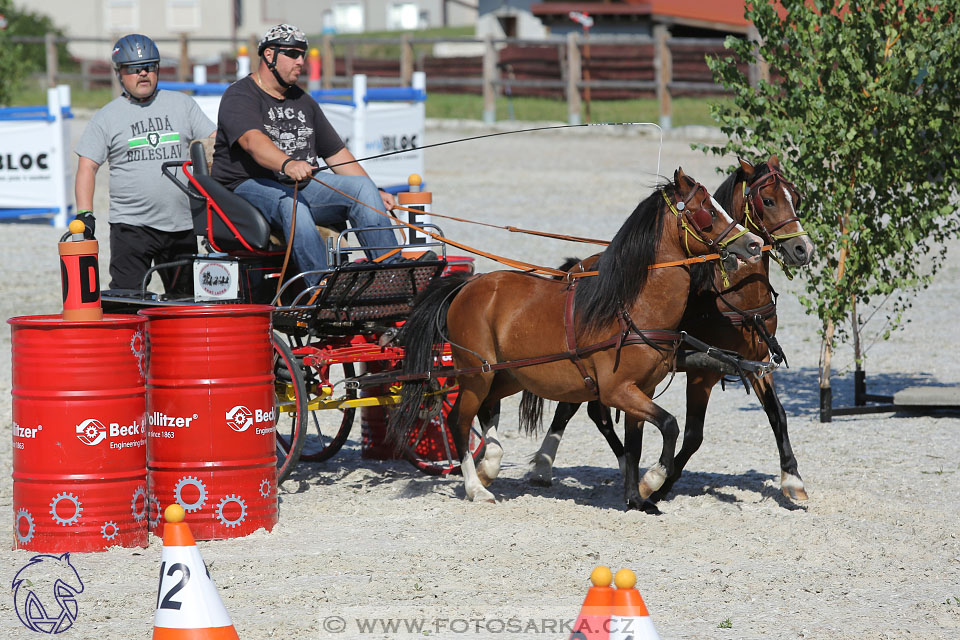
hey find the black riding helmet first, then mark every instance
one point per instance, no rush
(134, 49)
(281, 35)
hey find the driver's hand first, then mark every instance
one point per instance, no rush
(388, 201)
(299, 169)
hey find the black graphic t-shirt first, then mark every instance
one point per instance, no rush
(295, 124)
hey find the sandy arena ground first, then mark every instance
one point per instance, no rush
(873, 554)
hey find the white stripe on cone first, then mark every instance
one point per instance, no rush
(632, 628)
(187, 597)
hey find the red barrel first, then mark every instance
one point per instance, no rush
(79, 453)
(211, 417)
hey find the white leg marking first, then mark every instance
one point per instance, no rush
(489, 467)
(471, 482)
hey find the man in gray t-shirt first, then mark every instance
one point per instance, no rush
(150, 221)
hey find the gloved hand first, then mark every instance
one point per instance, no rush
(86, 217)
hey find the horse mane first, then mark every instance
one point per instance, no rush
(623, 266)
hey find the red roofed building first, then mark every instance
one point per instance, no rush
(533, 20)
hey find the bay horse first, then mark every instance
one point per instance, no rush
(732, 316)
(570, 341)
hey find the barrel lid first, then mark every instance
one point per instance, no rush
(55, 320)
(180, 311)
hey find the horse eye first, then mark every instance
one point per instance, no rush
(767, 202)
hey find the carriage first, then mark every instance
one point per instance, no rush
(335, 342)
(326, 337)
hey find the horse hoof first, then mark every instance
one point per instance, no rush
(646, 506)
(792, 487)
(651, 508)
(540, 481)
(795, 493)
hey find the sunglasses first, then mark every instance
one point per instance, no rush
(135, 69)
(293, 53)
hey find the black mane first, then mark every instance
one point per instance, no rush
(623, 266)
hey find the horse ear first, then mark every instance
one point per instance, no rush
(774, 162)
(748, 168)
(681, 180)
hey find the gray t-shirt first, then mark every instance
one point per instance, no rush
(136, 139)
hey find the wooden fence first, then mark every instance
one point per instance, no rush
(575, 69)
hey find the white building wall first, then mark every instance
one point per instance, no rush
(166, 19)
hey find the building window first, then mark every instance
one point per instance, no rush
(403, 16)
(183, 15)
(122, 15)
(348, 17)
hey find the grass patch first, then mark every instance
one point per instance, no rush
(686, 111)
(726, 624)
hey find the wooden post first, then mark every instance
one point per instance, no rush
(183, 69)
(663, 68)
(85, 74)
(348, 61)
(574, 70)
(328, 62)
(252, 45)
(50, 45)
(406, 61)
(489, 78)
(759, 69)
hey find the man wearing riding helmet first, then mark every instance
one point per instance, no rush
(136, 133)
(269, 129)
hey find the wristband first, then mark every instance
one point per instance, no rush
(83, 211)
(284, 165)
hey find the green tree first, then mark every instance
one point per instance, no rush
(863, 110)
(19, 60)
(11, 72)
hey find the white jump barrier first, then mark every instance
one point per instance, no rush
(371, 121)
(35, 169)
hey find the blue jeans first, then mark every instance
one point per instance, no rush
(318, 205)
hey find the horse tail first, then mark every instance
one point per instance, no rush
(531, 413)
(422, 337)
(531, 406)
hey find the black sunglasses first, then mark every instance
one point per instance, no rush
(135, 69)
(293, 53)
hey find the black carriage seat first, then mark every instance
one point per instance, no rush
(248, 220)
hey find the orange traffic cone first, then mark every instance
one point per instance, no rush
(593, 623)
(188, 606)
(630, 618)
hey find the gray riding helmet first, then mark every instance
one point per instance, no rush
(134, 49)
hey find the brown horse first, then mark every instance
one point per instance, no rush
(739, 315)
(511, 331)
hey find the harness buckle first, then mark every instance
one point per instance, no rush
(486, 367)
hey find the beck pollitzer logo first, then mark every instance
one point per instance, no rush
(45, 593)
(91, 432)
(239, 418)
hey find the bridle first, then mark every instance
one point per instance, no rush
(695, 223)
(755, 222)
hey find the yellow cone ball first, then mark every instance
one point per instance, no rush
(174, 513)
(76, 226)
(625, 579)
(601, 577)
(414, 180)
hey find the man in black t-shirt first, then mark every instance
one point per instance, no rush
(268, 127)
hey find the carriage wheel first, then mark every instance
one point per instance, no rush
(290, 395)
(328, 429)
(430, 447)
